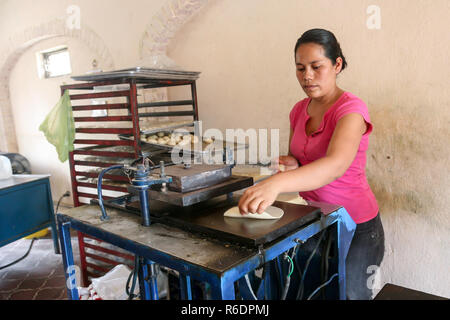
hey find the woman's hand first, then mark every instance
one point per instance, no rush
(258, 197)
(284, 163)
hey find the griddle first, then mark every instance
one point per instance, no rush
(207, 218)
(209, 193)
(251, 232)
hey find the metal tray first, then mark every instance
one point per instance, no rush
(194, 151)
(141, 73)
(158, 71)
(168, 128)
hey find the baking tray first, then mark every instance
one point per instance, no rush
(169, 127)
(140, 73)
(194, 151)
(158, 71)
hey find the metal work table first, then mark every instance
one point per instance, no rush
(26, 207)
(193, 256)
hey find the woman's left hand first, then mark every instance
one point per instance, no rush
(258, 197)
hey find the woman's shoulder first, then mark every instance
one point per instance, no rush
(349, 99)
(350, 103)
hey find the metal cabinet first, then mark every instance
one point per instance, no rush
(26, 207)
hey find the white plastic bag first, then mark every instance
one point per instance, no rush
(111, 286)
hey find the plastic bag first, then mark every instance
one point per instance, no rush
(111, 286)
(59, 127)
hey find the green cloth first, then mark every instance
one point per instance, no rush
(59, 127)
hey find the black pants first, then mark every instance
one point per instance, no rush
(364, 257)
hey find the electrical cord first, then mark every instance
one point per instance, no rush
(133, 275)
(291, 269)
(66, 194)
(247, 280)
(321, 286)
(297, 266)
(301, 287)
(20, 259)
(325, 257)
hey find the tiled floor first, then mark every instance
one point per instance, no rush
(40, 276)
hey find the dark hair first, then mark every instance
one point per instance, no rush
(327, 40)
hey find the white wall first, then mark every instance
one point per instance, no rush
(244, 50)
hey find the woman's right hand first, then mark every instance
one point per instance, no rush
(284, 163)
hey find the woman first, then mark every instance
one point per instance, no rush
(327, 155)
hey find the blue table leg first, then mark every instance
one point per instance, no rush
(222, 290)
(55, 238)
(345, 229)
(152, 281)
(185, 287)
(70, 269)
(147, 280)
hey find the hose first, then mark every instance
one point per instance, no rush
(99, 189)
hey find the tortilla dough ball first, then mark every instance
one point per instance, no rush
(194, 139)
(184, 142)
(208, 140)
(172, 142)
(162, 141)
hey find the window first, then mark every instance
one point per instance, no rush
(54, 62)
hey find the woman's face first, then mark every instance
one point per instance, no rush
(315, 72)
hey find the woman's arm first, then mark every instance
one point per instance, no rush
(341, 152)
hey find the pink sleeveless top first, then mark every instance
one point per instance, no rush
(352, 190)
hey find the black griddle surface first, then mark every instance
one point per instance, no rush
(207, 218)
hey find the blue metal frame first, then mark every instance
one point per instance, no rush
(222, 286)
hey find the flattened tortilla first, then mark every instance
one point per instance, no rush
(270, 214)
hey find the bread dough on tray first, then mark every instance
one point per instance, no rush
(269, 214)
